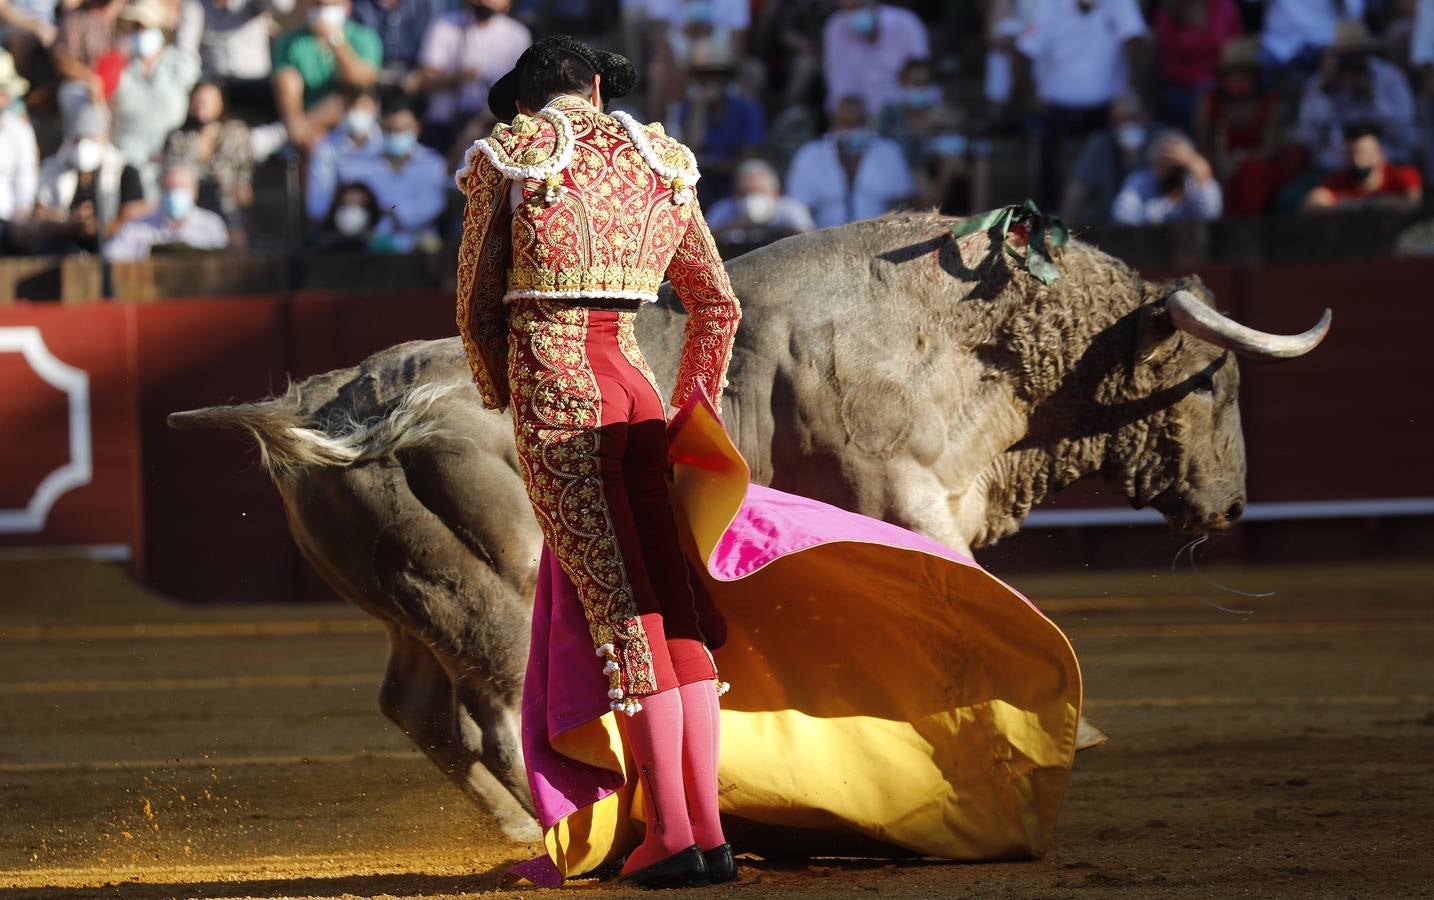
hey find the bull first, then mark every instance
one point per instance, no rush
(882, 367)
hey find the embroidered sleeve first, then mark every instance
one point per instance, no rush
(483, 258)
(701, 283)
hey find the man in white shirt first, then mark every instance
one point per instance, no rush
(357, 137)
(1077, 54)
(19, 155)
(1296, 31)
(849, 173)
(463, 53)
(409, 181)
(177, 222)
(865, 45)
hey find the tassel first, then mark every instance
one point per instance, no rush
(723, 687)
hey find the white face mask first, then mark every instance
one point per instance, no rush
(148, 42)
(359, 122)
(759, 208)
(88, 154)
(332, 15)
(350, 220)
(1130, 136)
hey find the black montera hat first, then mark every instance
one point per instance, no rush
(619, 76)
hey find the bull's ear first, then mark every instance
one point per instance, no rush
(1154, 335)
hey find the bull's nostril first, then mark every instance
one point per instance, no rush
(1236, 510)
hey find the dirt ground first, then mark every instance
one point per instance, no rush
(149, 750)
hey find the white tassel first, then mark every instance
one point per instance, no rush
(723, 687)
(605, 650)
(610, 667)
(615, 694)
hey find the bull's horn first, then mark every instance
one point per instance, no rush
(1201, 320)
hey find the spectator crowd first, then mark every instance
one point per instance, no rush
(136, 126)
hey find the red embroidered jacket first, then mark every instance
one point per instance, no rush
(607, 211)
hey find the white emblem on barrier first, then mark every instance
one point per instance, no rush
(27, 341)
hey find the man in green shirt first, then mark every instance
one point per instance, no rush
(313, 63)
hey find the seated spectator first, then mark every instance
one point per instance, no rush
(1297, 31)
(1353, 87)
(177, 223)
(313, 64)
(720, 124)
(850, 173)
(231, 40)
(1369, 180)
(1105, 161)
(19, 155)
(28, 29)
(757, 204)
(1077, 54)
(864, 48)
(86, 56)
(222, 152)
(1177, 186)
(1188, 37)
(1237, 119)
(357, 138)
(352, 223)
(153, 93)
(87, 190)
(410, 181)
(683, 30)
(911, 119)
(401, 25)
(463, 53)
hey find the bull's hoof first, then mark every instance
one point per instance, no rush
(1088, 736)
(521, 830)
(683, 869)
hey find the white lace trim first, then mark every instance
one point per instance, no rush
(550, 166)
(682, 181)
(575, 293)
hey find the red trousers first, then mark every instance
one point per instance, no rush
(592, 449)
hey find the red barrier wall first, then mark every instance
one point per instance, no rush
(1350, 421)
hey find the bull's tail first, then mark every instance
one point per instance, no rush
(289, 441)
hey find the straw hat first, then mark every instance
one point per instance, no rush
(10, 80)
(1240, 53)
(146, 13)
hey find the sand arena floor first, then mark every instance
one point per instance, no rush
(149, 750)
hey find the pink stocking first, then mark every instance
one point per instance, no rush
(654, 737)
(699, 761)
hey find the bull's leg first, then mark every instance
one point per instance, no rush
(419, 697)
(493, 731)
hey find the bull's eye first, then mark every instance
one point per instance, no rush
(1203, 383)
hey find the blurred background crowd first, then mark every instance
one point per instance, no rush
(134, 126)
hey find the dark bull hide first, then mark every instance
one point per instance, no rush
(879, 367)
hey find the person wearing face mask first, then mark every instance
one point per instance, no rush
(1369, 180)
(850, 173)
(1354, 86)
(1105, 160)
(152, 97)
(352, 223)
(865, 45)
(178, 222)
(1177, 185)
(357, 137)
(401, 24)
(410, 181)
(19, 155)
(87, 190)
(722, 125)
(463, 53)
(911, 119)
(315, 64)
(758, 206)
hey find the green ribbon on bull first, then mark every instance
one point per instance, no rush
(1046, 233)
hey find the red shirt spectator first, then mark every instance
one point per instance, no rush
(1369, 179)
(1389, 180)
(1188, 38)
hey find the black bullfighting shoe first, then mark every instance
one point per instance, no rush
(721, 864)
(685, 868)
